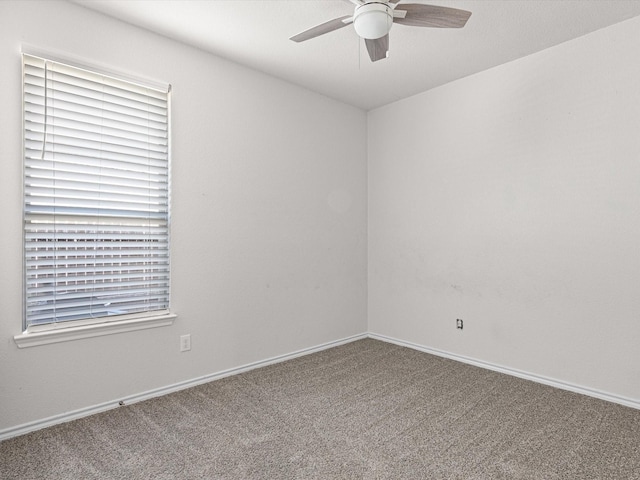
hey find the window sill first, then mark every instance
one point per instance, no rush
(44, 337)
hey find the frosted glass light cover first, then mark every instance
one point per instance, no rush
(372, 21)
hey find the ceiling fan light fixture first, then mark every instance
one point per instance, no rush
(373, 20)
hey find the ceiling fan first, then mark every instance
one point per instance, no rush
(372, 20)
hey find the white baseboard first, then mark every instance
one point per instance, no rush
(84, 412)
(627, 402)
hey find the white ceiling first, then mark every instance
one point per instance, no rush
(256, 33)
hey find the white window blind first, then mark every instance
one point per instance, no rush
(96, 195)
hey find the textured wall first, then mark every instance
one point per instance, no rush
(268, 219)
(511, 199)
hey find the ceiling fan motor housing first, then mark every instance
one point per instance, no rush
(373, 20)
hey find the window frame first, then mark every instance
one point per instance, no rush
(53, 332)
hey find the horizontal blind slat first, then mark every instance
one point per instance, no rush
(35, 123)
(106, 168)
(64, 313)
(96, 280)
(63, 106)
(60, 145)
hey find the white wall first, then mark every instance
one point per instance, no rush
(511, 199)
(269, 219)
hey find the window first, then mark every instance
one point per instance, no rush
(96, 197)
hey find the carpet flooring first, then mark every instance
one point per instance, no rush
(364, 410)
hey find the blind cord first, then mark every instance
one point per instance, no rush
(42, 157)
(46, 107)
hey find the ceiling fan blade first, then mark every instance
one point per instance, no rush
(323, 28)
(431, 16)
(377, 48)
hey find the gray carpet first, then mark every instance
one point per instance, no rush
(365, 410)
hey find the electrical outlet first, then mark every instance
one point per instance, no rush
(185, 343)
(459, 323)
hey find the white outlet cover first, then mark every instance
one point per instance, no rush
(185, 343)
